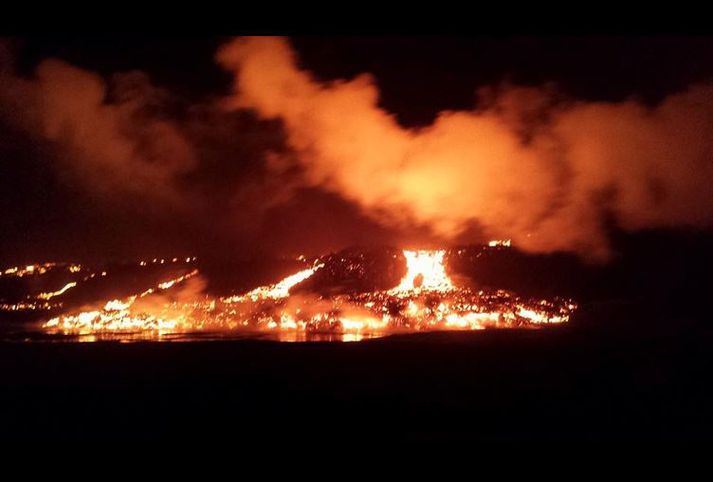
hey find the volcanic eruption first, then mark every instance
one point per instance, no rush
(523, 163)
(425, 299)
(410, 240)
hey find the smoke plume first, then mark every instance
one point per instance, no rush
(188, 175)
(291, 162)
(524, 164)
(110, 138)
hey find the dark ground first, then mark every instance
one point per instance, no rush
(554, 384)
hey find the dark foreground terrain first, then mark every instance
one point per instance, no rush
(560, 383)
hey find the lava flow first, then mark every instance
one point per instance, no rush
(426, 299)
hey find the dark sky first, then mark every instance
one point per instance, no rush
(47, 215)
(418, 76)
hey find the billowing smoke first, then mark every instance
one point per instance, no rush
(525, 164)
(110, 138)
(190, 176)
(284, 160)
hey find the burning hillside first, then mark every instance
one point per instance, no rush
(336, 297)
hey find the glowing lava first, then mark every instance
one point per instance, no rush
(425, 299)
(47, 296)
(424, 272)
(276, 291)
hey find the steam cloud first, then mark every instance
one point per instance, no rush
(149, 159)
(523, 165)
(119, 146)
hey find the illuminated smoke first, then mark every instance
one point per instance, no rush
(522, 165)
(106, 133)
(136, 155)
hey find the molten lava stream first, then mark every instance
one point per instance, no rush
(425, 299)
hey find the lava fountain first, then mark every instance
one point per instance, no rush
(425, 271)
